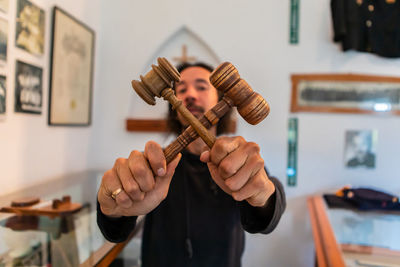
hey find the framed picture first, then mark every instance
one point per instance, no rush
(3, 95)
(71, 74)
(345, 93)
(4, 5)
(30, 27)
(3, 39)
(28, 88)
(360, 148)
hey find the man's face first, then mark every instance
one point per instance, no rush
(362, 148)
(196, 92)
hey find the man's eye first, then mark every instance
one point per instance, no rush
(201, 88)
(180, 90)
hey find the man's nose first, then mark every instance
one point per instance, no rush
(191, 94)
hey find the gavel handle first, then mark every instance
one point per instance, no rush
(169, 95)
(210, 118)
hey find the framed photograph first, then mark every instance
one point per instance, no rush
(360, 148)
(71, 73)
(28, 88)
(3, 95)
(30, 27)
(4, 5)
(345, 93)
(3, 39)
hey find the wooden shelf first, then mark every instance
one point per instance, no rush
(146, 125)
(160, 125)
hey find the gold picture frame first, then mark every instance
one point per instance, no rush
(345, 93)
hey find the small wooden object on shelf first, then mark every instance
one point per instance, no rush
(34, 206)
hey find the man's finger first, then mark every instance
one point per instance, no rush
(251, 188)
(155, 155)
(257, 190)
(129, 184)
(141, 171)
(233, 162)
(223, 146)
(110, 183)
(205, 156)
(123, 200)
(252, 165)
(215, 175)
(162, 182)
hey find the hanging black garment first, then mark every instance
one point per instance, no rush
(367, 25)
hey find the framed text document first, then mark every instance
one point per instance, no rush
(71, 73)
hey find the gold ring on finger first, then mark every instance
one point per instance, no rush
(115, 193)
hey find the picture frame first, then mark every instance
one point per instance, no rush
(360, 148)
(4, 5)
(28, 88)
(3, 95)
(345, 93)
(71, 71)
(3, 40)
(30, 28)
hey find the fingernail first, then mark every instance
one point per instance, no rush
(204, 156)
(161, 172)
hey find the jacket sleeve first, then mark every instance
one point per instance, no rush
(338, 19)
(264, 219)
(115, 230)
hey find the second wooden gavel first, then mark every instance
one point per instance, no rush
(237, 92)
(225, 78)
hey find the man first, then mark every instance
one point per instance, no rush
(198, 205)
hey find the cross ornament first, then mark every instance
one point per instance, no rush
(184, 58)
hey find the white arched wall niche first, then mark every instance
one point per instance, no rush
(170, 49)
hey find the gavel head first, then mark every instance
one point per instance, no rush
(156, 80)
(250, 105)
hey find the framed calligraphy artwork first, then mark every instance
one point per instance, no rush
(71, 77)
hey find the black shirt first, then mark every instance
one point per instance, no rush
(197, 224)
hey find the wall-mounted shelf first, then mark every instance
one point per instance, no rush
(160, 125)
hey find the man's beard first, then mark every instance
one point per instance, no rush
(196, 111)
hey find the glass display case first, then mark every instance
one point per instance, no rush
(70, 240)
(345, 237)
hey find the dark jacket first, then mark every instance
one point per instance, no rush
(367, 25)
(197, 224)
(363, 199)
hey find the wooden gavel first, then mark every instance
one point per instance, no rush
(158, 82)
(225, 78)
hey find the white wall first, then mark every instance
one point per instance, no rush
(30, 150)
(254, 36)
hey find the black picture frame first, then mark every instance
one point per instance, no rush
(71, 71)
(28, 88)
(3, 95)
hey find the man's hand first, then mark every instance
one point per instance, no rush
(144, 179)
(237, 167)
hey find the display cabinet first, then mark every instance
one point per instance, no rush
(352, 238)
(70, 240)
